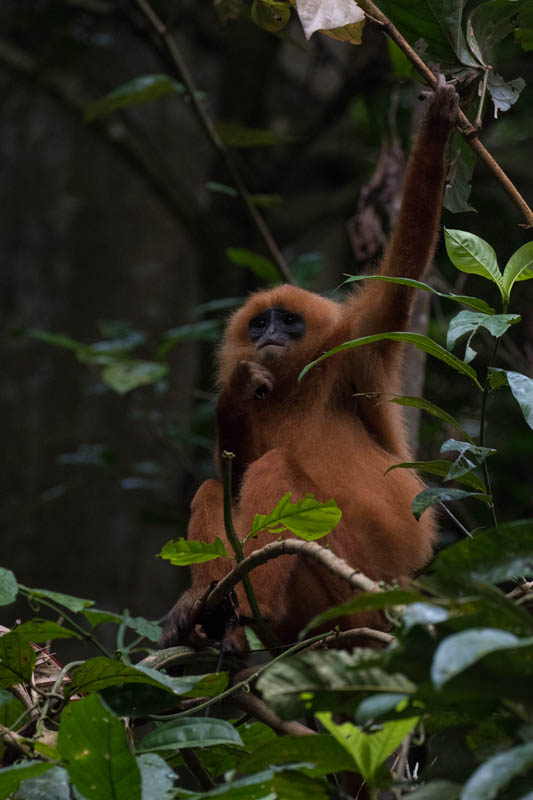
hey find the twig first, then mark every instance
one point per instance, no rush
(355, 578)
(249, 702)
(197, 769)
(349, 638)
(16, 741)
(219, 144)
(227, 458)
(454, 518)
(463, 123)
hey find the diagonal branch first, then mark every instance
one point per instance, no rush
(338, 566)
(464, 125)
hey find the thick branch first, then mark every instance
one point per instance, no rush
(257, 708)
(463, 123)
(337, 565)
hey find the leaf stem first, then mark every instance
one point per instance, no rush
(483, 424)
(219, 144)
(233, 539)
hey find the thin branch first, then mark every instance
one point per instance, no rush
(249, 702)
(463, 123)
(197, 769)
(350, 638)
(16, 741)
(211, 131)
(355, 578)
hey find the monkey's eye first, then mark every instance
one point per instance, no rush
(257, 322)
(291, 319)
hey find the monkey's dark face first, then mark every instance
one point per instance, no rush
(275, 329)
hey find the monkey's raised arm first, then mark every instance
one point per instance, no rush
(383, 306)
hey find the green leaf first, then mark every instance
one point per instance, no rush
(504, 93)
(260, 265)
(157, 778)
(322, 751)
(492, 556)
(17, 660)
(271, 15)
(363, 602)
(55, 339)
(206, 330)
(182, 552)
(378, 705)
(278, 783)
(492, 776)
(124, 376)
(93, 747)
(472, 302)
(441, 468)
(430, 408)
(471, 254)
(471, 321)
(11, 777)
(330, 680)
(369, 750)
(10, 709)
(144, 627)
(50, 785)
(191, 732)
(458, 185)
(140, 699)
(488, 24)
(522, 389)
(470, 456)
(519, 267)
(459, 651)
(424, 614)
(308, 518)
(41, 630)
(67, 600)
(421, 342)
(240, 136)
(437, 790)
(140, 90)
(8, 587)
(434, 495)
(98, 673)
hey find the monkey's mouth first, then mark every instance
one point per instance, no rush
(271, 348)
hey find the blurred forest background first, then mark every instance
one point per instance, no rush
(118, 229)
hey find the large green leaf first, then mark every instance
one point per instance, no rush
(364, 602)
(157, 778)
(277, 783)
(492, 556)
(488, 24)
(469, 322)
(472, 302)
(469, 253)
(369, 750)
(470, 456)
(437, 790)
(93, 747)
(326, 681)
(99, 673)
(128, 374)
(42, 630)
(67, 600)
(458, 186)
(50, 785)
(431, 408)
(137, 91)
(260, 265)
(459, 651)
(191, 732)
(11, 777)
(322, 751)
(307, 518)
(434, 495)
(17, 660)
(8, 587)
(421, 342)
(183, 552)
(442, 468)
(144, 627)
(240, 136)
(492, 776)
(522, 389)
(519, 267)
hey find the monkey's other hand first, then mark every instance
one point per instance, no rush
(180, 625)
(444, 102)
(251, 380)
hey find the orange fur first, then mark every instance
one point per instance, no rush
(316, 436)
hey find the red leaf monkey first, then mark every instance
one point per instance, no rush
(314, 436)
